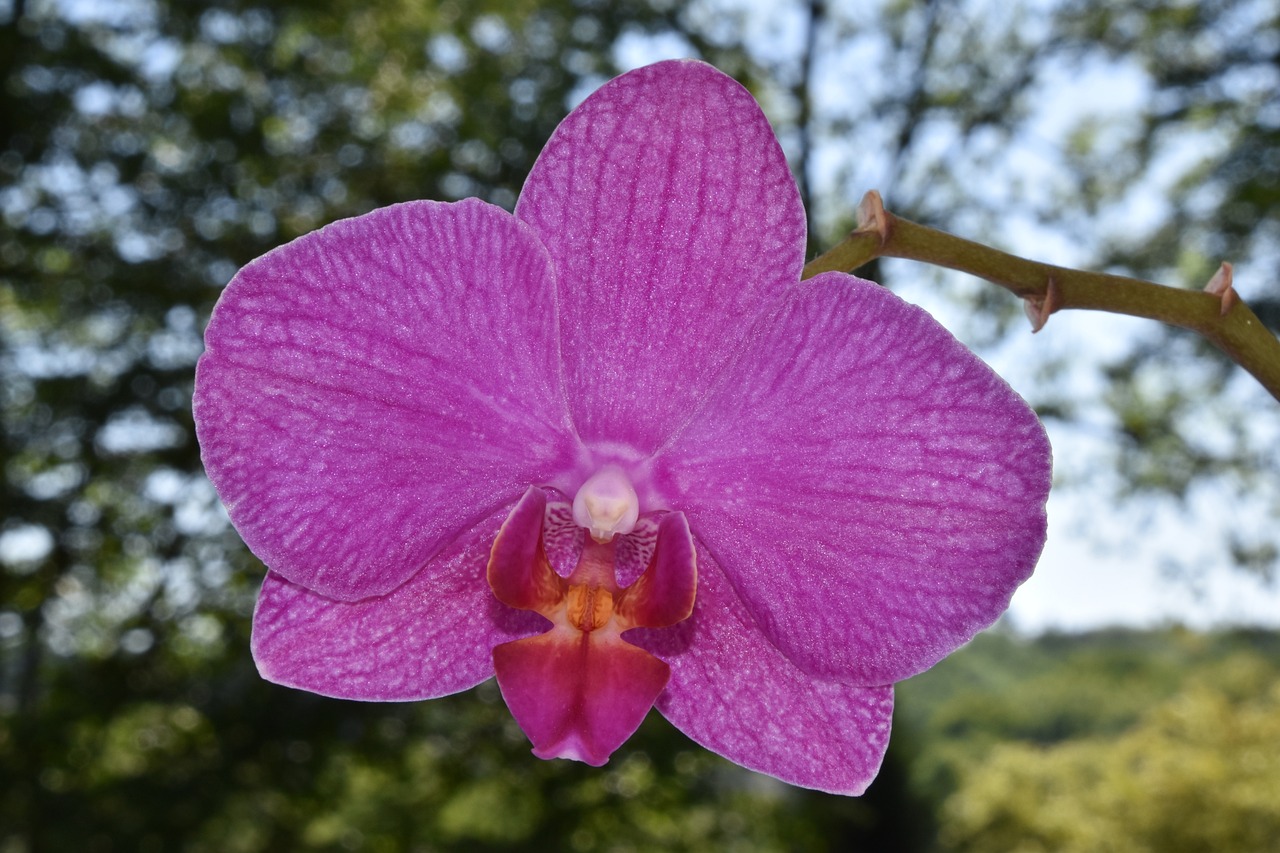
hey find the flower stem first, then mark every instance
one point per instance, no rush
(1219, 314)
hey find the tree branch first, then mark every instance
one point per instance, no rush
(804, 123)
(1217, 313)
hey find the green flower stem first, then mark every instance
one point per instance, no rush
(1047, 288)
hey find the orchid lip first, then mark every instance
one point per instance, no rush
(579, 690)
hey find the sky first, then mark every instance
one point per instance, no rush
(1078, 585)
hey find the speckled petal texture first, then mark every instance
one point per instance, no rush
(429, 638)
(737, 695)
(374, 388)
(873, 490)
(672, 220)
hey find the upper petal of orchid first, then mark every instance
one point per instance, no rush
(874, 492)
(673, 221)
(733, 692)
(430, 637)
(374, 388)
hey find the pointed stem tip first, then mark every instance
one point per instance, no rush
(1039, 308)
(872, 218)
(1222, 287)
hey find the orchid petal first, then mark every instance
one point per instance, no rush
(374, 388)
(672, 220)
(428, 638)
(578, 695)
(874, 492)
(735, 694)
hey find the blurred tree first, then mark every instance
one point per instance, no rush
(1026, 737)
(1199, 773)
(1138, 139)
(1206, 136)
(148, 148)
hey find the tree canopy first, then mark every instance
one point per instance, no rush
(149, 148)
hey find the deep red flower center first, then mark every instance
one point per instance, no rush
(579, 690)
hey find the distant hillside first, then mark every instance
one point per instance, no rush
(1111, 740)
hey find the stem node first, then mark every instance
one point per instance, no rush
(1039, 308)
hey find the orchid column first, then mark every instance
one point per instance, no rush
(613, 443)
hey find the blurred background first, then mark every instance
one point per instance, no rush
(148, 148)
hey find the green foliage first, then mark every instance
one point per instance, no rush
(1115, 740)
(1204, 137)
(148, 148)
(274, 769)
(1198, 772)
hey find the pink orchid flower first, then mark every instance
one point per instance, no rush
(611, 448)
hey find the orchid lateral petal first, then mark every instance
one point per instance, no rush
(672, 220)
(874, 492)
(518, 572)
(375, 387)
(664, 594)
(428, 638)
(735, 694)
(578, 695)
